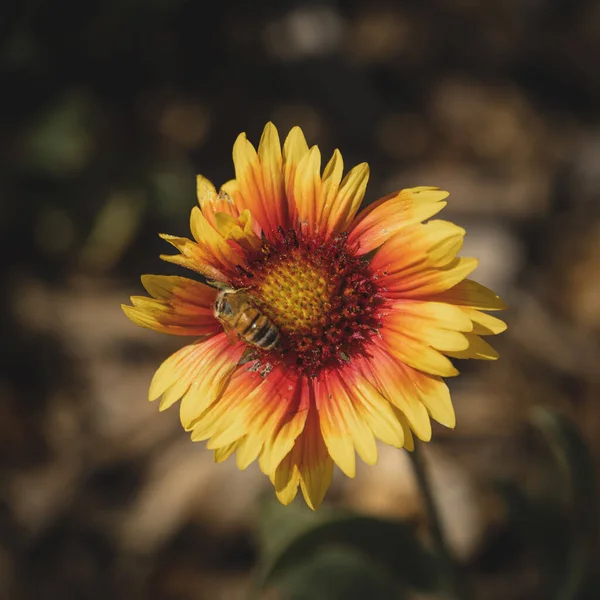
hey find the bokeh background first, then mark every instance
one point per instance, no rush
(110, 108)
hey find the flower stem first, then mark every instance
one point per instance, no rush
(451, 579)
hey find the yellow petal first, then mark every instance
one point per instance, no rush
(286, 480)
(294, 150)
(180, 319)
(307, 464)
(336, 416)
(172, 287)
(395, 385)
(424, 283)
(210, 202)
(478, 349)
(352, 414)
(436, 324)
(307, 190)
(206, 192)
(271, 161)
(269, 413)
(332, 177)
(377, 412)
(409, 442)
(474, 295)
(222, 454)
(175, 392)
(247, 408)
(248, 174)
(285, 429)
(230, 410)
(211, 241)
(315, 478)
(348, 199)
(418, 354)
(418, 247)
(195, 258)
(398, 381)
(199, 372)
(431, 391)
(484, 324)
(389, 215)
(239, 229)
(248, 452)
(231, 198)
(435, 396)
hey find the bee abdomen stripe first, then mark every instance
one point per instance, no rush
(266, 336)
(254, 319)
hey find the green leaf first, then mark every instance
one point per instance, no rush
(338, 574)
(292, 535)
(575, 473)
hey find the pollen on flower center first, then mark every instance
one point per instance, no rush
(320, 296)
(296, 292)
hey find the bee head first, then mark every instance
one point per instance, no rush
(222, 304)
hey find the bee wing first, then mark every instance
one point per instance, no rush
(248, 355)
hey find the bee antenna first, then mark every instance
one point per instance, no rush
(217, 284)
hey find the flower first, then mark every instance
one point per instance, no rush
(368, 308)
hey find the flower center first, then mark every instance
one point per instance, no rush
(320, 296)
(296, 293)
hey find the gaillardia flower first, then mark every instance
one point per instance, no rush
(318, 330)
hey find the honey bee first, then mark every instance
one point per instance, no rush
(239, 314)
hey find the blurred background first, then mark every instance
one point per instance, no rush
(110, 108)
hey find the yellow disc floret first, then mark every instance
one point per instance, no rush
(296, 293)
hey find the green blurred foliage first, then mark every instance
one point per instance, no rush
(559, 520)
(292, 535)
